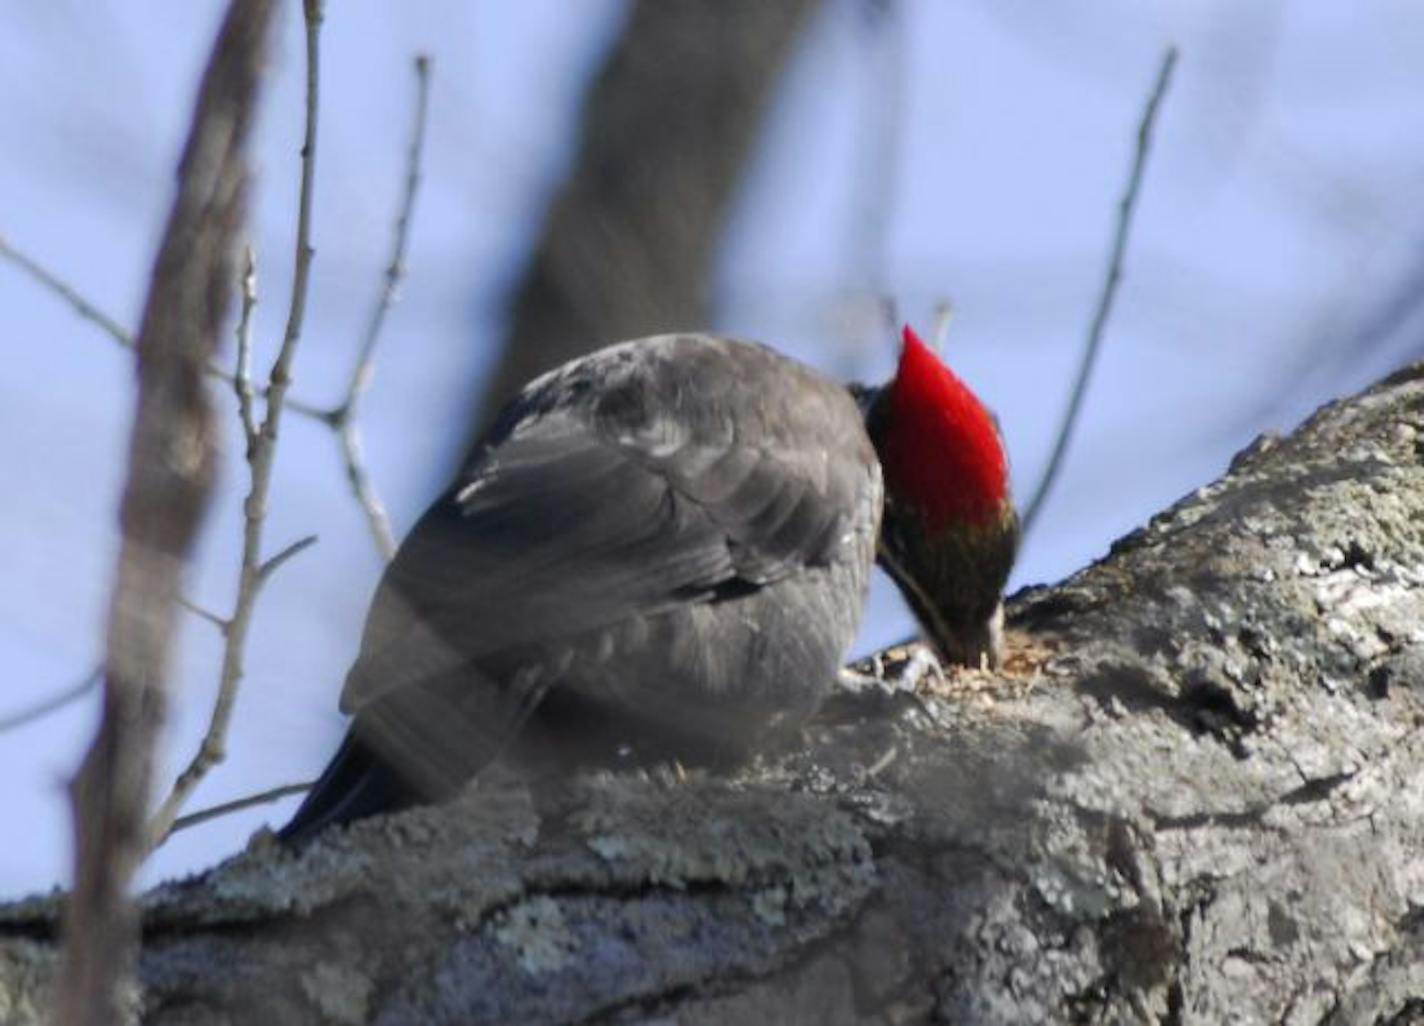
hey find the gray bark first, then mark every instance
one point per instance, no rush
(1194, 795)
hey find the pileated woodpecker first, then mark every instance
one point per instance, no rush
(664, 547)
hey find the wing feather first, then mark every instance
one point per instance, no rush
(596, 505)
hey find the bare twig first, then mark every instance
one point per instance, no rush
(238, 804)
(204, 613)
(242, 376)
(271, 563)
(261, 439)
(41, 709)
(87, 310)
(170, 475)
(261, 452)
(364, 490)
(67, 292)
(400, 237)
(309, 410)
(1125, 208)
(343, 418)
(939, 331)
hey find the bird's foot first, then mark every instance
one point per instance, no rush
(923, 665)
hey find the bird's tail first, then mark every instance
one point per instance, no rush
(356, 783)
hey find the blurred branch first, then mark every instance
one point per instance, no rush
(192, 819)
(939, 331)
(170, 475)
(41, 709)
(261, 455)
(1126, 205)
(343, 418)
(877, 171)
(875, 181)
(667, 128)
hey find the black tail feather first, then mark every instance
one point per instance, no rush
(356, 783)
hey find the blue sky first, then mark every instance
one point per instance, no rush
(1281, 215)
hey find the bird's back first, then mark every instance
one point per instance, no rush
(664, 544)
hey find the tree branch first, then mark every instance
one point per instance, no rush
(171, 467)
(67, 292)
(203, 613)
(87, 310)
(1197, 783)
(666, 131)
(43, 708)
(242, 376)
(273, 794)
(343, 418)
(270, 565)
(1125, 208)
(261, 456)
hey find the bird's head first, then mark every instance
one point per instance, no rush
(949, 532)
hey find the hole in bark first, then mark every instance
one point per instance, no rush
(1377, 684)
(1357, 556)
(1215, 707)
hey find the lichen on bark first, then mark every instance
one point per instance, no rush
(1194, 795)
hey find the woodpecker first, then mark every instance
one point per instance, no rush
(663, 548)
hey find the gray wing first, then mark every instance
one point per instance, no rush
(574, 520)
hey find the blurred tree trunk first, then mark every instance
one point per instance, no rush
(172, 464)
(667, 129)
(1195, 794)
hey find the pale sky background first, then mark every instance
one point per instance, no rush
(1276, 263)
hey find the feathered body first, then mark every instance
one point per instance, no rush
(663, 548)
(663, 545)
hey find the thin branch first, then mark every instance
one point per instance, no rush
(68, 293)
(343, 418)
(272, 563)
(260, 457)
(1125, 207)
(171, 465)
(242, 376)
(400, 238)
(87, 310)
(364, 490)
(238, 804)
(939, 331)
(41, 709)
(204, 613)
(309, 410)
(280, 377)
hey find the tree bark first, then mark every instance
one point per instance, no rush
(628, 242)
(1194, 795)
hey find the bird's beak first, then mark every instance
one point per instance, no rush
(980, 646)
(992, 653)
